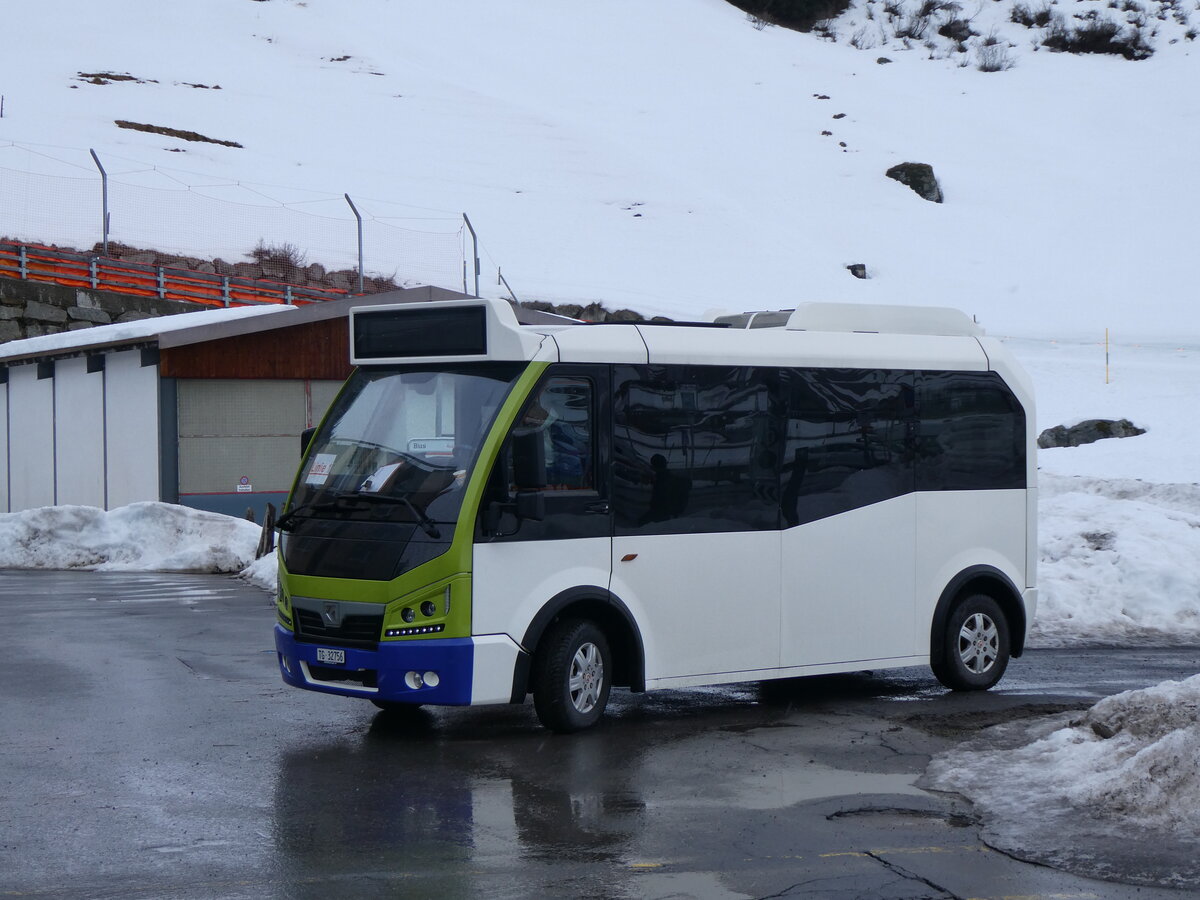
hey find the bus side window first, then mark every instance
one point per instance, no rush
(848, 440)
(549, 482)
(695, 449)
(972, 434)
(561, 413)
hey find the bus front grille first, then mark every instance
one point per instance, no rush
(354, 631)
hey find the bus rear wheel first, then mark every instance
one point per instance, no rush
(975, 648)
(571, 676)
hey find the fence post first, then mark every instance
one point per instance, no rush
(93, 271)
(504, 281)
(103, 198)
(225, 289)
(287, 295)
(162, 285)
(474, 255)
(354, 209)
(24, 258)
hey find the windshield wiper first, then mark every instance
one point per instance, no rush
(289, 518)
(419, 514)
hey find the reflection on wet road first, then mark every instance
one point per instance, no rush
(151, 751)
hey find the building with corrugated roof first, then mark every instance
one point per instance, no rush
(204, 409)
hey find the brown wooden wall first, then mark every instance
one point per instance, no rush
(317, 350)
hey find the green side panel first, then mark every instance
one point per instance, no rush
(427, 582)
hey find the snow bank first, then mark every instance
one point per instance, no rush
(1117, 562)
(1133, 758)
(158, 537)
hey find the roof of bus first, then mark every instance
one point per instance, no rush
(636, 343)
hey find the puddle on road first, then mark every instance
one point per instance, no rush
(812, 781)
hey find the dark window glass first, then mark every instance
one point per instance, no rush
(848, 440)
(560, 411)
(972, 434)
(695, 449)
(567, 415)
(400, 333)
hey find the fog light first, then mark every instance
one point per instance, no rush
(407, 614)
(414, 680)
(428, 608)
(432, 679)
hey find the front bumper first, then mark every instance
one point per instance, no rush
(383, 674)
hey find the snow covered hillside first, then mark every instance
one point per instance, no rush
(670, 157)
(676, 158)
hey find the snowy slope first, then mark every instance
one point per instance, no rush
(666, 156)
(671, 157)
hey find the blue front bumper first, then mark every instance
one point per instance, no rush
(381, 674)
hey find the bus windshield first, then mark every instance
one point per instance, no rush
(399, 444)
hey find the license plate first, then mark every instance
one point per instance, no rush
(326, 655)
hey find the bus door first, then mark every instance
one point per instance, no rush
(849, 538)
(545, 523)
(696, 539)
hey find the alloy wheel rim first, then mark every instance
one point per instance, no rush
(979, 643)
(586, 677)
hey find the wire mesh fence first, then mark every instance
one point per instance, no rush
(59, 196)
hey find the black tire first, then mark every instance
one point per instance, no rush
(571, 676)
(975, 645)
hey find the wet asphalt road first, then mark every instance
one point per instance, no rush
(150, 750)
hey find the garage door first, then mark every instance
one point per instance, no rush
(242, 437)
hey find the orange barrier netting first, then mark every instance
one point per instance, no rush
(34, 262)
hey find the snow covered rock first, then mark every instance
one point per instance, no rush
(919, 177)
(1087, 432)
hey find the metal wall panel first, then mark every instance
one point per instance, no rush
(217, 464)
(131, 411)
(222, 407)
(4, 507)
(79, 433)
(31, 438)
(323, 394)
(233, 430)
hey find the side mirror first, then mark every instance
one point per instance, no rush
(529, 460)
(306, 437)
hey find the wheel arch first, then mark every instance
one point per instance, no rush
(609, 613)
(979, 580)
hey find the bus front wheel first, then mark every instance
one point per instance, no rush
(571, 676)
(975, 647)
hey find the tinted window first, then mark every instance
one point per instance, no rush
(972, 433)
(695, 449)
(397, 333)
(567, 418)
(848, 440)
(561, 414)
